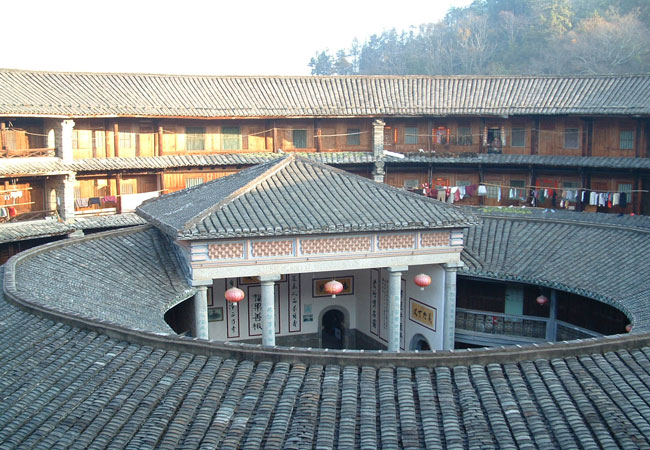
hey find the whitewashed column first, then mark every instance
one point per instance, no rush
(201, 312)
(378, 171)
(65, 144)
(394, 306)
(268, 309)
(449, 320)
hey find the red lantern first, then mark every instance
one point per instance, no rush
(422, 280)
(628, 327)
(234, 295)
(542, 300)
(333, 287)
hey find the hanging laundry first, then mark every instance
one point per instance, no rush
(462, 191)
(12, 211)
(624, 200)
(3, 213)
(616, 199)
(456, 194)
(499, 194)
(81, 202)
(442, 195)
(593, 198)
(94, 201)
(110, 198)
(482, 190)
(471, 190)
(554, 199)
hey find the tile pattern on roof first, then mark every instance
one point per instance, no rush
(12, 232)
(130, 278)
(96, 94)
(607, 255)
(71, 388)
(294, 195)
(25, 166)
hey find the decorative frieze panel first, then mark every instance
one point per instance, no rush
(436, 239)
(457, 238)
(355, 244)
(229, 250)
(267, 249)
(396, 241)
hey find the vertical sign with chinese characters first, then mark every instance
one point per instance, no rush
(383, 308)
(374, 300)
(255, 310)
(232, 312)
(402, 303)
(295, 324)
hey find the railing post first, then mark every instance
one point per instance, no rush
(551, 325)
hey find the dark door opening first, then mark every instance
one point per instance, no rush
(332, 329)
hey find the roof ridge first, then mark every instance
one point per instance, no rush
(278, 164)
(333, 77)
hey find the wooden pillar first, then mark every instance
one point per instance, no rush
(318, 131)
(481, 179)
(534, 137)
(590, 136)
(637, 139)
(533, 179)
(430, 137)
(636, 196)
(161, 141)
(3, 137)
(118, 192)
(275, 137)
(116, 140)
(483, 137)
(106, 134)
(160, 182)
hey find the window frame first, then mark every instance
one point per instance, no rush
(196, 136)
(630, 139)
(571, 131)
(411, 136)
(228, 138)
(464, 136)
(521, 130)
(295, 138)
(353, 137)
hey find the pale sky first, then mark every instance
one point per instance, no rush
(273, 37)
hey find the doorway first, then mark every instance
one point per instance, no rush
(420, 343)
(333, 329)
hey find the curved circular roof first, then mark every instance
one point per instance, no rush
(83, 365)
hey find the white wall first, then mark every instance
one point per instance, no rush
(357, 305)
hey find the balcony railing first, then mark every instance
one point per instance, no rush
(515, 325)
(27, 152)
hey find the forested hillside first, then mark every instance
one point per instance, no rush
(502, 37)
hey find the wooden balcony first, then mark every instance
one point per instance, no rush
(27, 152)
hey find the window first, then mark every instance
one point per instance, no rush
(518, 190)
(518, 138)
(493, 191)
(627, 188)
(299, 138)
(570, 185)
(412, 184)
(75, 139)
(189, 182)
(442, 135)
(127, 139)
(195, 138)
(100, 138)
(411, 135)
(627, 140)
(463, 183)
(230, 138)
(464, 136)
(571, 137)
(354, 137)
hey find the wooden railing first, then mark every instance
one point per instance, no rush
(516, 325)
(27, 152)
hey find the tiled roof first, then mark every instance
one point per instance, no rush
(24, 93)
(128, 277)
(11, 232)
(293, 195)
(73, 388)
(607, 255)
(32, 166)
